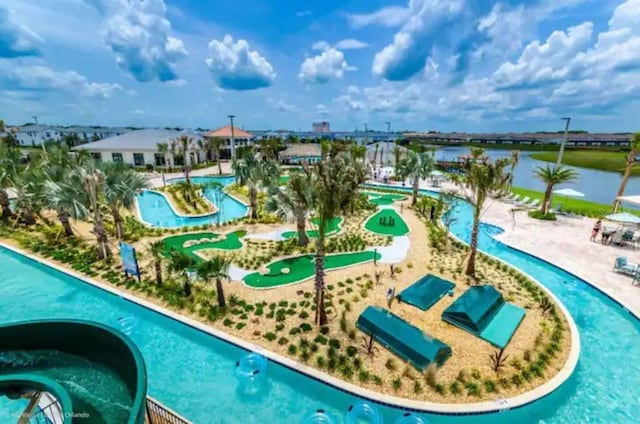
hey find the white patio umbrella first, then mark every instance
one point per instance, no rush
(567, 192)
(634, 200)
(624, 217)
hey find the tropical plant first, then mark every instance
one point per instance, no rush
(498, 360)
(30, 200)
(634, 144)
(515, 159)
(216, 143)
(254, 173)
(92, 180)
(375, 154)
(163, 149)
(9, 160)
(552, 176)
(121, 183)
(416, 166)
(216, 189)
(183, 146)
(293, 203)
(397, 154)
(334, 185)
(483, 180)
(180, 263)
(216, 268)
(156, 249)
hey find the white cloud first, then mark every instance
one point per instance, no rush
(326, 66)
(320, 45)
(350, 44)
(283, 106)
(322, 110)
(138, 34)
(392, 16)
(235, 66)
(138, 112)
(38, 77)
(16, 40)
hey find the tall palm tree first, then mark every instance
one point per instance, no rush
(397, 155)
(483, 179)
(216, 144)
(184, 145)
(293, 203)
(180, 263)
(67, 199)
(163, 149)
(254, 173)
(9, 160)
(121, 184)
(156, 249)
(552, 176)
(334, 185)
(217, 268)
(92, 179)
(416, 166)
(31, 200)
(375, 154)
(634, 143)
(515, 159)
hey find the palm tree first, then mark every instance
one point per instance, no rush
(163, 149)
(334, 186)
(30, 201)
(483, 179)
(634, 143)
(293, 203)
(121, 184)
(93, 182)
(375, 154)
(216, 143)
(180, 263)
(552, 176)
(184, 145)
(397, 155)
(68, 202)
(217, 268)
(416, 166)
(253, 173)
(9, 160)
(156, 249)
(515, 159)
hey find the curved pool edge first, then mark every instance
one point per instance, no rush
(175, 211)
(478, 408)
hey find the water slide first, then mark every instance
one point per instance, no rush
(96, 374)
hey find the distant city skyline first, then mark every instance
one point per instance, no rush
(455, 65)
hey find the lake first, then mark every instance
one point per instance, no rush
(598, 186)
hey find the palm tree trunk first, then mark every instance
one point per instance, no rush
(220, 292)
(186, 287)
(4, 203)
(158, 266)
(416, 186)
(219, 161)
(63, 217)
(473, 246)
(301, 219)
(253, 201)
(625, 178)
(117, 222)
(321, 313)
(547, 199)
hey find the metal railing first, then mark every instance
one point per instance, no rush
(51, 413)
(157, 413)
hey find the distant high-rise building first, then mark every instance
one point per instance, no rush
(321, 127)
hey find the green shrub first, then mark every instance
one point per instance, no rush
(335, 343)
(537, 214)
(352, 351)
(293, 349)
(279, 327)
(472, 389)
(227, 322)
(305, 327)
(294, 331)
(390, 364)
(240, 325)
(320, 361)
(363, 375)
(283, 341)
(396, 383)
(303, 315)
(490, 386)
(320, 339)
(417, 387)
(270, 336)
(455, 388)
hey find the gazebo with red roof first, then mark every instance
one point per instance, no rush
(240, 137)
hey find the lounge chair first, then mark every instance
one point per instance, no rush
(623, 266)
(511, 198)
(534, 204)
(523, 202)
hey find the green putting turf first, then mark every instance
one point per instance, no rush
(303, 267)
(375, 225)
(383, 198)
(333, 227)
(231, 242)
(283, 180)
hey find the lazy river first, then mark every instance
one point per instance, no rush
(192, 372)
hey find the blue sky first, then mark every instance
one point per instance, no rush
(466, 65)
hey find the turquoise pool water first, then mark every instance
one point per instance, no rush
(155, 210)
(193, 372)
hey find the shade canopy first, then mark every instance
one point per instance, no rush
(437, 173)
(568, 192)
(630, 199)
(624, 217)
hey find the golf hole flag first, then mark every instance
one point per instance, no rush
(129, 260)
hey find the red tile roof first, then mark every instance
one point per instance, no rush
(225, 132)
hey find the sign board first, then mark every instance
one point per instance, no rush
(129, 260)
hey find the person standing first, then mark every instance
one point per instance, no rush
(596, 229)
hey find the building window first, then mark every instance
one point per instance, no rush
(117, 157)
(159, 159)
(96, 156)
(138, 159)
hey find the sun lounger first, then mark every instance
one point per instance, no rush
(524, 201)
(513, 198)
(622, 265)
(534, 204)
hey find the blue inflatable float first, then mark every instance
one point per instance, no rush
(362, 412)
(320, 417)
(409, 418)
(251, 373)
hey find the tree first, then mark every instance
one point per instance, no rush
(515, 159)
(217, 268)
(121, 183)
(156, 249)
(9, 160)
(483, 180)
(397, 155)
(163, 149)
(634, 144)
(216, 143)
(552, 176)
(253, 173)
(293, 203)
(334, 185)
(183, 146)
(416, 166)
(93, 181)
(180, 263)
(30, 201)
(375, 154)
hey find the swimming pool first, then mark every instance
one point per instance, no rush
(155, 210)
(192, 372)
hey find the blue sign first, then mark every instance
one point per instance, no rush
(129, 260)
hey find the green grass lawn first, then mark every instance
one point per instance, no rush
(375, 223)
(593, 159)
(383, 198)
(301, 268)
(333, 227)
(230, 242)
(577, 206)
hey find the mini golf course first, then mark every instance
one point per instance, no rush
(300, 268)
(203, 241)
(387, 222)
(383, 199)
(333, 227)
